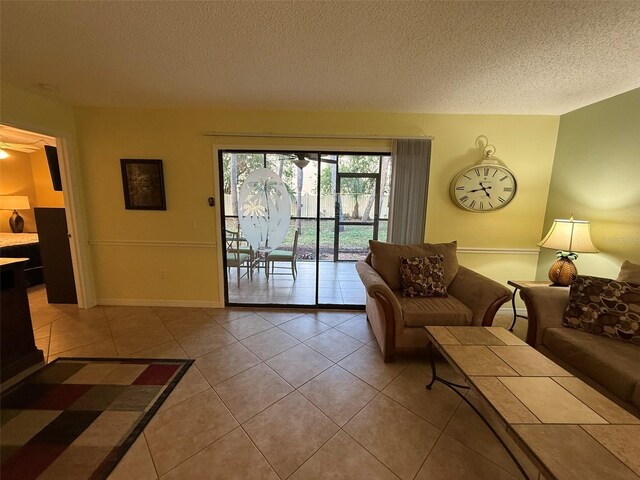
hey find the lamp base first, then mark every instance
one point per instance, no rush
(16, 222)
(563, 272)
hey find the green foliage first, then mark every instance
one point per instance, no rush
(247, 163)
(351, 164)
(353, 236)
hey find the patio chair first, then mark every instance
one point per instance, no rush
(284, 256)
(238, 256)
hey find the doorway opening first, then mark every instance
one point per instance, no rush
(33, 222)
(337, 202)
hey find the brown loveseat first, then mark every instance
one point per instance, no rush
(398, 322)
(609, 365)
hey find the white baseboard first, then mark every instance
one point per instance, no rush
(145, 302)
(509, 311)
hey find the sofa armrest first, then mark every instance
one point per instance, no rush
(375, 285)
(481, 294)
(545, 308)
(383, 309)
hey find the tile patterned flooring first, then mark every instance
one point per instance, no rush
(280, 394)
(338, 284)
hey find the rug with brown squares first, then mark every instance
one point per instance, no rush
(76, 417)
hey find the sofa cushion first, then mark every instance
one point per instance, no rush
(604, 307)
(629, 272)
(422, 276)
(385, 259)
(423, 311)
(612, 364)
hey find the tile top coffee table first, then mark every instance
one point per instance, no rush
(565, 427)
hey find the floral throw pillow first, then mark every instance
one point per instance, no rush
(604, 307)
(423, 276)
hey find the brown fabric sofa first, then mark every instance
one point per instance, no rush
(608, 365)
(398, 322)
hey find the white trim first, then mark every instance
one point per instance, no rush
(75, 213)
(317, 136)
(508, 310)
(219, 214)
(507, 251)
(151, 243)
(148, 302)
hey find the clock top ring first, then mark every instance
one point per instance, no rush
(484, 187)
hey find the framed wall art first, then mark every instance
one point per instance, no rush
(143, 184)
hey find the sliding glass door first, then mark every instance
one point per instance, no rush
(335, 203)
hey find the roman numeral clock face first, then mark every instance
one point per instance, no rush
(483, 188)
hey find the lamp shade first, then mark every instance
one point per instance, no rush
(14, 202)
(569, 236)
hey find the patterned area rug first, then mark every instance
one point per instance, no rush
(76, 417)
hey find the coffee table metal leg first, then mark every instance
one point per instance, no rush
(473, 407)
(433, 366)
(454, 386)
(434, 376)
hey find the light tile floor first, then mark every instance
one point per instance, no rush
(280, 394)
(338, 284)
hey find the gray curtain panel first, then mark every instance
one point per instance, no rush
(409, 183)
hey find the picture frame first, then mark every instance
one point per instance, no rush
(143, 184)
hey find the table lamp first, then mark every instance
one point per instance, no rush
(15, 203)
(568, 237)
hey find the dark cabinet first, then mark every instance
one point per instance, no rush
(18, 349)
(56, 255)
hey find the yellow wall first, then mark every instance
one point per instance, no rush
(27, 174)
(28, 111)
(47, 196)
(16, 178)
(596, 176)
(132, 248)
(525, 144)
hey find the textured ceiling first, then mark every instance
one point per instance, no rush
(518, 57)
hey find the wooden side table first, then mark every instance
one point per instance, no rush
(517, 285)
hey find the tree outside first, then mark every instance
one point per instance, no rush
(355, 203)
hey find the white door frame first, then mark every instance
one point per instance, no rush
(74, 209)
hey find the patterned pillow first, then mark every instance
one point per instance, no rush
(629, 272)
(423, 276)
(604, 307)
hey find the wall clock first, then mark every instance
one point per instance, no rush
(484, 187)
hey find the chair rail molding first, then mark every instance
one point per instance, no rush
(505, 251)
(152, 243)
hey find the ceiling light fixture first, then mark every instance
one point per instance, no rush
(301, 163)
(301, 160)
(3, 154)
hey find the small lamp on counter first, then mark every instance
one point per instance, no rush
(568, 237)
(15, 203)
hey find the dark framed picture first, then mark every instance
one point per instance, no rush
(143, 184)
